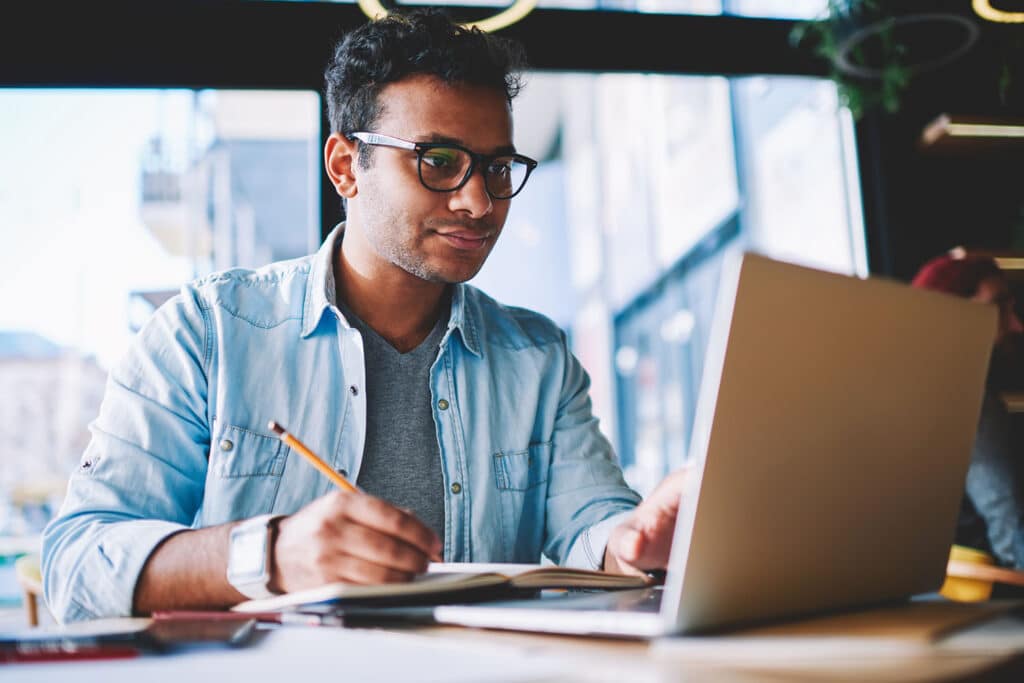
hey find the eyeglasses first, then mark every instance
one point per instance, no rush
(445, 166)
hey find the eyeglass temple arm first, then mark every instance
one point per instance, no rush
(378, 139)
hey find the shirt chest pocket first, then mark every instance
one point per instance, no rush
(521, 478)
(239, 452)
(522, 470)
(244, 476)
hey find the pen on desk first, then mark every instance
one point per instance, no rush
(326, 469)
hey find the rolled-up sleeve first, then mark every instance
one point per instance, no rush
(587, 495)
(141, 477)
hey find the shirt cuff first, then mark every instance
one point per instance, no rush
(588, 550)
(105, 586)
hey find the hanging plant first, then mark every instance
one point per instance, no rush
(875, 52)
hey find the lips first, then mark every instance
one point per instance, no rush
(465, 240)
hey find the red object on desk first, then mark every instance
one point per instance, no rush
(212, 615)
(63, 651)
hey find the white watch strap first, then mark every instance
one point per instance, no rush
(255, 588)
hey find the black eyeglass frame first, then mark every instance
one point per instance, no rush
(421, 148)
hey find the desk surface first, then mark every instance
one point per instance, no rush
(615, 660)
(451, 654)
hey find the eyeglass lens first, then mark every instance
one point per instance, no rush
(443, 168)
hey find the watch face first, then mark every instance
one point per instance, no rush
(248, 553)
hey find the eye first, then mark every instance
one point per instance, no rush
(441, 157)
(500, 168)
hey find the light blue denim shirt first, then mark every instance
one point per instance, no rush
(182, 442)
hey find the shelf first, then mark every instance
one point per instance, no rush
(964, 134)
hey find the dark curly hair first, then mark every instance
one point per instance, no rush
(411, 43)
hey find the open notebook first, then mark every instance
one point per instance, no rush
(449, 582)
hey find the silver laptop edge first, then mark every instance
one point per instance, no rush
(714, 362)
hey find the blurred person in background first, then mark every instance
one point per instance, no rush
(992, 513)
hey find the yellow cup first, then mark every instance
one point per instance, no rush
(963, 589)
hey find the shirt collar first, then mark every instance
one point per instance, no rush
(320, 286)
(320, 294)
(464, 319)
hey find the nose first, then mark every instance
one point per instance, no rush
(472, 198)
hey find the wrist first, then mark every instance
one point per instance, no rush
(274, 530)
(249, 556)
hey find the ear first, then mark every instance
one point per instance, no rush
(340, 162)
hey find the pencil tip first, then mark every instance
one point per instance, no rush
(278, 429)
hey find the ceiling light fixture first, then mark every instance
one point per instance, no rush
(519, 9)
(985, 10)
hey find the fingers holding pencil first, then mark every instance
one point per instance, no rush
(354, 538)
(348, 536)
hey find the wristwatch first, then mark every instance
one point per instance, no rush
(250, 551)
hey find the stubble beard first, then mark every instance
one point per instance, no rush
(411, 261)
(409, 254)
(396, 240)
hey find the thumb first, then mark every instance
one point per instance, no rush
(627, 542)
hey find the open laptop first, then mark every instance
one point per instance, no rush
(831, 442)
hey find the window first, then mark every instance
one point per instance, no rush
(111, 200)
(778, 9)
(646, 182)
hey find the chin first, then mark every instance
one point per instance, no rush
(453, 278)
(455, 273)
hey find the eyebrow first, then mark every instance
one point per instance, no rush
(447, 139)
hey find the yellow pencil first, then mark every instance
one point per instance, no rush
(328, 471)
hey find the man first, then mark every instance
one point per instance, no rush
(468, 422)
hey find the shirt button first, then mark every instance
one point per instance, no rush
(354, 389)
(442, 404)
(456, 487)
(343, 472)
(226, 445)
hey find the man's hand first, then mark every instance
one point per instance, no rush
(643, 541)
(351, 537)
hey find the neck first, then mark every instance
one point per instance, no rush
(397, 305)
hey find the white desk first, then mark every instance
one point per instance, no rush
(448, 654)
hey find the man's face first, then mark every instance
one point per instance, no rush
(434, 236)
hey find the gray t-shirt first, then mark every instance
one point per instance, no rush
(401, 457)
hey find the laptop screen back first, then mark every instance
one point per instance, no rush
(832, 438)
